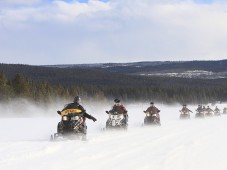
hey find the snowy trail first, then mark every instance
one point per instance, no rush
(177, 145)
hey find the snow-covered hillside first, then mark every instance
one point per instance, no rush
(199, 74)
(176, 145)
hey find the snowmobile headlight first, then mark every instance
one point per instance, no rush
(75, 118)
(65, 118)
(148, 114)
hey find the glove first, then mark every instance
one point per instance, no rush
(59, 112)
(94, 119)
(107, 112)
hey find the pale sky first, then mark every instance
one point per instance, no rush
(41, 32)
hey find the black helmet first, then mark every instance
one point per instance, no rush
(116, 101)
(76, 99)
(151, 102)
(184, 105)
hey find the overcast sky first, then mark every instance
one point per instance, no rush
(40, 32)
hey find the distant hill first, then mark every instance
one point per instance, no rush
(66, 76)
(214, 66)
(184, 82)
(113, 73)
(190, 69)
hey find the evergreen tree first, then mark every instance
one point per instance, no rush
(21, 86)
(5, 90)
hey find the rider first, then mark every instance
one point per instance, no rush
(118, 107)
(204, 108)
(217, 109)
(153, 110)
(199, 109)
(76, 105)
(209, 110)
(225, 110)
(185, 110)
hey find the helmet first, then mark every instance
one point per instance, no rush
(116, 101)
(184, 105)
(76, 99)
(151, 102)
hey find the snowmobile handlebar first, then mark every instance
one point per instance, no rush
(185, 112)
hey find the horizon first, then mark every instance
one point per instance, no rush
(114, 62)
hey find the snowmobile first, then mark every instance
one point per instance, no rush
(217, 113)
(116, 121)
(72, 126)
(199, 115)
(208, 114)
(184, 115)
(225, 110)
(151, 119)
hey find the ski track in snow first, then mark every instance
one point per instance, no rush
(176, 145)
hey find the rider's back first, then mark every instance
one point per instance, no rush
(74, 106)
(117, 109)
(152, 109)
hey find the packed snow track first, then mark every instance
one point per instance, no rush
(176, 145)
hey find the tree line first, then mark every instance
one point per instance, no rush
(127, 88)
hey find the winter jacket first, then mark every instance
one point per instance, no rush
(185, 110)
(199, 109)
(209, 110)
(217, 110)
(152, 109)
(119, 109)
(72, 106)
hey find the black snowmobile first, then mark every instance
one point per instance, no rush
(199, 114)
(184, 115)
(225, 110)
(151, 119)
(116, 120)
(71, 126)
(217, 113)
(208, 114)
